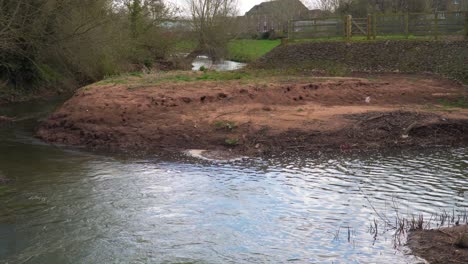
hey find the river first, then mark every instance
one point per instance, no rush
(67, 205)
(223, 65)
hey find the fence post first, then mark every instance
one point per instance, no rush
(374, 28)
(345, 28)
(407, 25)
(349, 27)
(369, 26)
(436, 26)
(315, 27)
(290, 30)
(466, 25)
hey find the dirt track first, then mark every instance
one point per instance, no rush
(258, 117)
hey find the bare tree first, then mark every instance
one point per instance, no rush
(327, 5)
(212, 21)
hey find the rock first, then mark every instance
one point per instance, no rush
(463, 241)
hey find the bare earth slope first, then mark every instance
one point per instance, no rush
(261, 116)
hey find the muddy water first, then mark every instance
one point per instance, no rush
(70, 206)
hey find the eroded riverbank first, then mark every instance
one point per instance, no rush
(260, 115)
(441, 246)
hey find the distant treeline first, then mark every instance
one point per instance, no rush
(54, 42)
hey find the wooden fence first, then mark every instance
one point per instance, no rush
(404, 25)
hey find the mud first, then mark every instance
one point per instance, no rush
(439, 246)
(263, 116)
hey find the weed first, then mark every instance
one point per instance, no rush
(461, 102)
(228, 125)
(182, 78)
(232, 141)
(135, 74)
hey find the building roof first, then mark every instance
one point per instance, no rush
(267, 7)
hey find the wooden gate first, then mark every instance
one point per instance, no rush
(359, 27)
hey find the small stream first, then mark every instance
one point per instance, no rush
(224, 65)
(71, 206)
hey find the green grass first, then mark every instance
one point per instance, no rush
(150, 80)
(228, 125)
(231, 141)
(461, 102)
(185, 46)
(248, 50)
(241, 50)
(117, 79)
(206, 76)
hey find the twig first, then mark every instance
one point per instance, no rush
(228, 113)
(443, 232)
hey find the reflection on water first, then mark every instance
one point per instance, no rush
(67, 206)
(224, 65)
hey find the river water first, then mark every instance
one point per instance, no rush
(71, 206)
(223, 65)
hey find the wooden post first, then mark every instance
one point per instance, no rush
(315, 27)
(407, 25)
(369, 26)
(290, 30)
(345, 28)
(436, 26)
(466, 25)
(374, 28)
(349, 27)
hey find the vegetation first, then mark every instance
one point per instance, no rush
(247, 50)
(56, 43)
(461, 102)
(137, 80)
(213, 21)
(240, 50)
(338, 58)
(227, 125)
(232, 141)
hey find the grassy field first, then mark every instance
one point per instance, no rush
(248, 50)
(241, 50)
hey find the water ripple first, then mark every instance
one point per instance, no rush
(73, 207)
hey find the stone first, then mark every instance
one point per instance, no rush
(463, 241)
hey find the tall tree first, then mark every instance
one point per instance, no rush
(213, 21)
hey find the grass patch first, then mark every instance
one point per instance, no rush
(260, 77)
(205, 76)
(232, 141)
(461, 102)
(185, 46)
(248, 50)
(228, 125)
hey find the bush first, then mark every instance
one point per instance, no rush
(51, 42)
